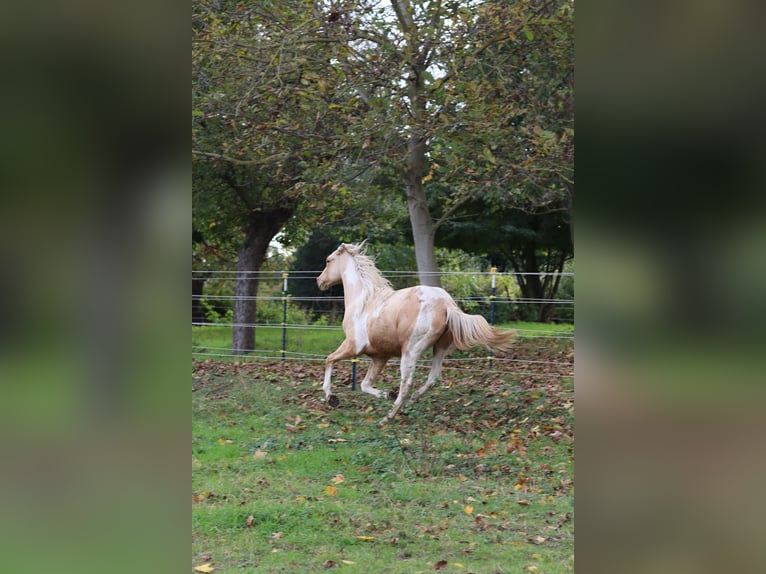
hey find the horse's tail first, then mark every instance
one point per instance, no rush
(473, 330)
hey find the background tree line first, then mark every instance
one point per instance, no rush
(428, 123)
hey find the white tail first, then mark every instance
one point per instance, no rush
(473, 330)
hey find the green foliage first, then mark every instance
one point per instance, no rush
(302, 104)
(217, 314)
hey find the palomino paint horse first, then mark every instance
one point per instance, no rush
(382, 323)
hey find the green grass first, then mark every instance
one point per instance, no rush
(477, 477)
(217, 340)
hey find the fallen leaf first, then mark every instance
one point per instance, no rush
(337, 479)
(250, 521)
(365, 538)
(330, 564)
(276, 535)
(331, 490)
(468, 509)
(206, 567)
(348, 561)
(259, 454)
(336, 440)
(523, 502)
(440, 564)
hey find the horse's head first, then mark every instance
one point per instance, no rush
(333, 270)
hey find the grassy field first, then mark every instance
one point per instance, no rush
(214, 342)
(476, 477)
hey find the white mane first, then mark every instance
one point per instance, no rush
(373, 282)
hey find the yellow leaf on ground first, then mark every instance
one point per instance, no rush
(331, 490)
(365, 538)
(206, 567)
(337, 479)
(259, 454)
(348, 561)
(468, 509)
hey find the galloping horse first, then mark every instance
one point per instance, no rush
(382, 323)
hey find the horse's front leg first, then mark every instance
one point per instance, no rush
(345, 351)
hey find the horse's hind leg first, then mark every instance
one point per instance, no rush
(345, 351)
(372, 374)
(440, 352)
(409, 362)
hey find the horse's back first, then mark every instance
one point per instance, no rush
(392, 321)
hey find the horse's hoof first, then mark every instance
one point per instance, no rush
(333, 400)
(391, 396)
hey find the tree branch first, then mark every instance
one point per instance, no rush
(245, 162)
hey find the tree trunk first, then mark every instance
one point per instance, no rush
(260, 229)
(417, 204)
(423, 235)
(420, 217)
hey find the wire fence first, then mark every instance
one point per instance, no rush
(290, 311)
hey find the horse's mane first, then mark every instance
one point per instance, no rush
(374, 283)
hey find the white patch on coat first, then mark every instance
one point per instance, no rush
(361, 338)
(350, 274)
(425, 314)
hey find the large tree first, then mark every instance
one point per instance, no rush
(309, 95)
(267, 112)
(479, 95)
(522, 215)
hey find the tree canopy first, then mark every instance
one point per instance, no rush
(370, 114)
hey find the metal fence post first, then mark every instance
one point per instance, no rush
(492, 308)
(284, 313)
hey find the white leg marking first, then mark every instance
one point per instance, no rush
(327, 376)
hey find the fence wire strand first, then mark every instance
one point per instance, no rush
(453, 364)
